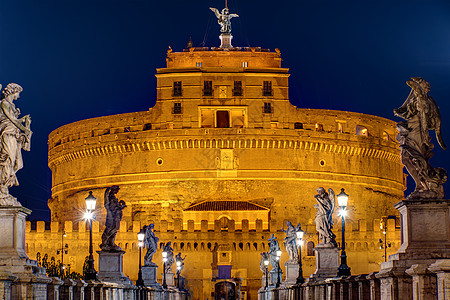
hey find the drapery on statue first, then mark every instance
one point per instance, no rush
(324, 222)
(167, 247)
(114, 209)
(224, 19)
(273, 248)
(151, 243)
(15, 135)
(290, 241)
(264, 257)
(180, 262)
(421, 114)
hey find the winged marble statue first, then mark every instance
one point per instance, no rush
(224, 19)
(324, 216)
(421, 114)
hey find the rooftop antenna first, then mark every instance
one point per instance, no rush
(224, 20)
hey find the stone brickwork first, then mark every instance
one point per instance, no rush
(203, 249)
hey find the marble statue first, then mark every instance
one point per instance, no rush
(15, 135)
(324, 222)
(114, 209)
(273, 248)
(180, 262)
(167, 247)
(264, 257)
(151, 243)
(224, 19)
(421, 114)
(290, 241)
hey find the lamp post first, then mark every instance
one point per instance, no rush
(300, 279)
(278, 268)
(179, 263)
(141, 236)
(91, 274)
(63, 250)
(343, 269)
(164, 255)
(266, 272)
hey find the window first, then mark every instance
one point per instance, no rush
(267, 109)
(319, 127)
(147, 126)
(298, 125)
(199, 65)
(177, 108)
(267, 88)
(245, 64)
(223, 119)
(361, 130)
(237, 89)
(207, 88)
(177, 88)
(310, 248)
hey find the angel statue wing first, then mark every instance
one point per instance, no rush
(332, 198)
(216, 12)
(234, 16)
(106, 201)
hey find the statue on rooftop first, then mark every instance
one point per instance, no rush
(421, 114)
(114, 209)
(290, 241)
(151, 243)
(15, 135)
(224, 19)
(324, 221)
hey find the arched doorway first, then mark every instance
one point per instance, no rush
(225, 290)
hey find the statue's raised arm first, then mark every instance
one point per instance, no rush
(15, 135)
(421, 114)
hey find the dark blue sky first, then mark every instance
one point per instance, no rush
(88, 58)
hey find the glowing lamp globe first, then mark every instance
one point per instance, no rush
(342, 199)
(90, 201)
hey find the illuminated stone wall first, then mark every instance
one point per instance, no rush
(274, 155)
(203, 246)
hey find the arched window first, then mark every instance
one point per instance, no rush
(386, 136)
(361, 130)
(298, 125)
(310, 248)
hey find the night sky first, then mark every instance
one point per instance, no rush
(79, 59)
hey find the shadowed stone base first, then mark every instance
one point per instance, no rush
(291, 273)
(225, 40)
(110, 267)
(149, 276)
(327, 262)
(273, 276)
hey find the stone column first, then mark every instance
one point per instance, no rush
(363, 286)
(6, 279)
(423, 282)
(374, 284)
(442, 269)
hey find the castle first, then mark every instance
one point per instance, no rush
(220, 163)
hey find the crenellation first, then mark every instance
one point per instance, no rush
(40, 226)
(54, 227)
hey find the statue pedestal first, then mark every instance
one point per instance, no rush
(149, 276)
(225, 40)
(170, 278)
(273, 276)
(327, 262)
(425, 237)
(291, 273)
(110, 267)
(20, 276)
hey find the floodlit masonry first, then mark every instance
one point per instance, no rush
(221, 153)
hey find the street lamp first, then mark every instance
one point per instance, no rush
(91, 274)
(179, 266)
(266, 271)
(164, 255)
(63, 250)
(343, 269)
(278, 267)
(300, 279)
(141, 236)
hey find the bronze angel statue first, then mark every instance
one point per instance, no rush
(114, 209)
(15, 135)
(421, 114)
(224, 19)
(324, 216)
(151, 243)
